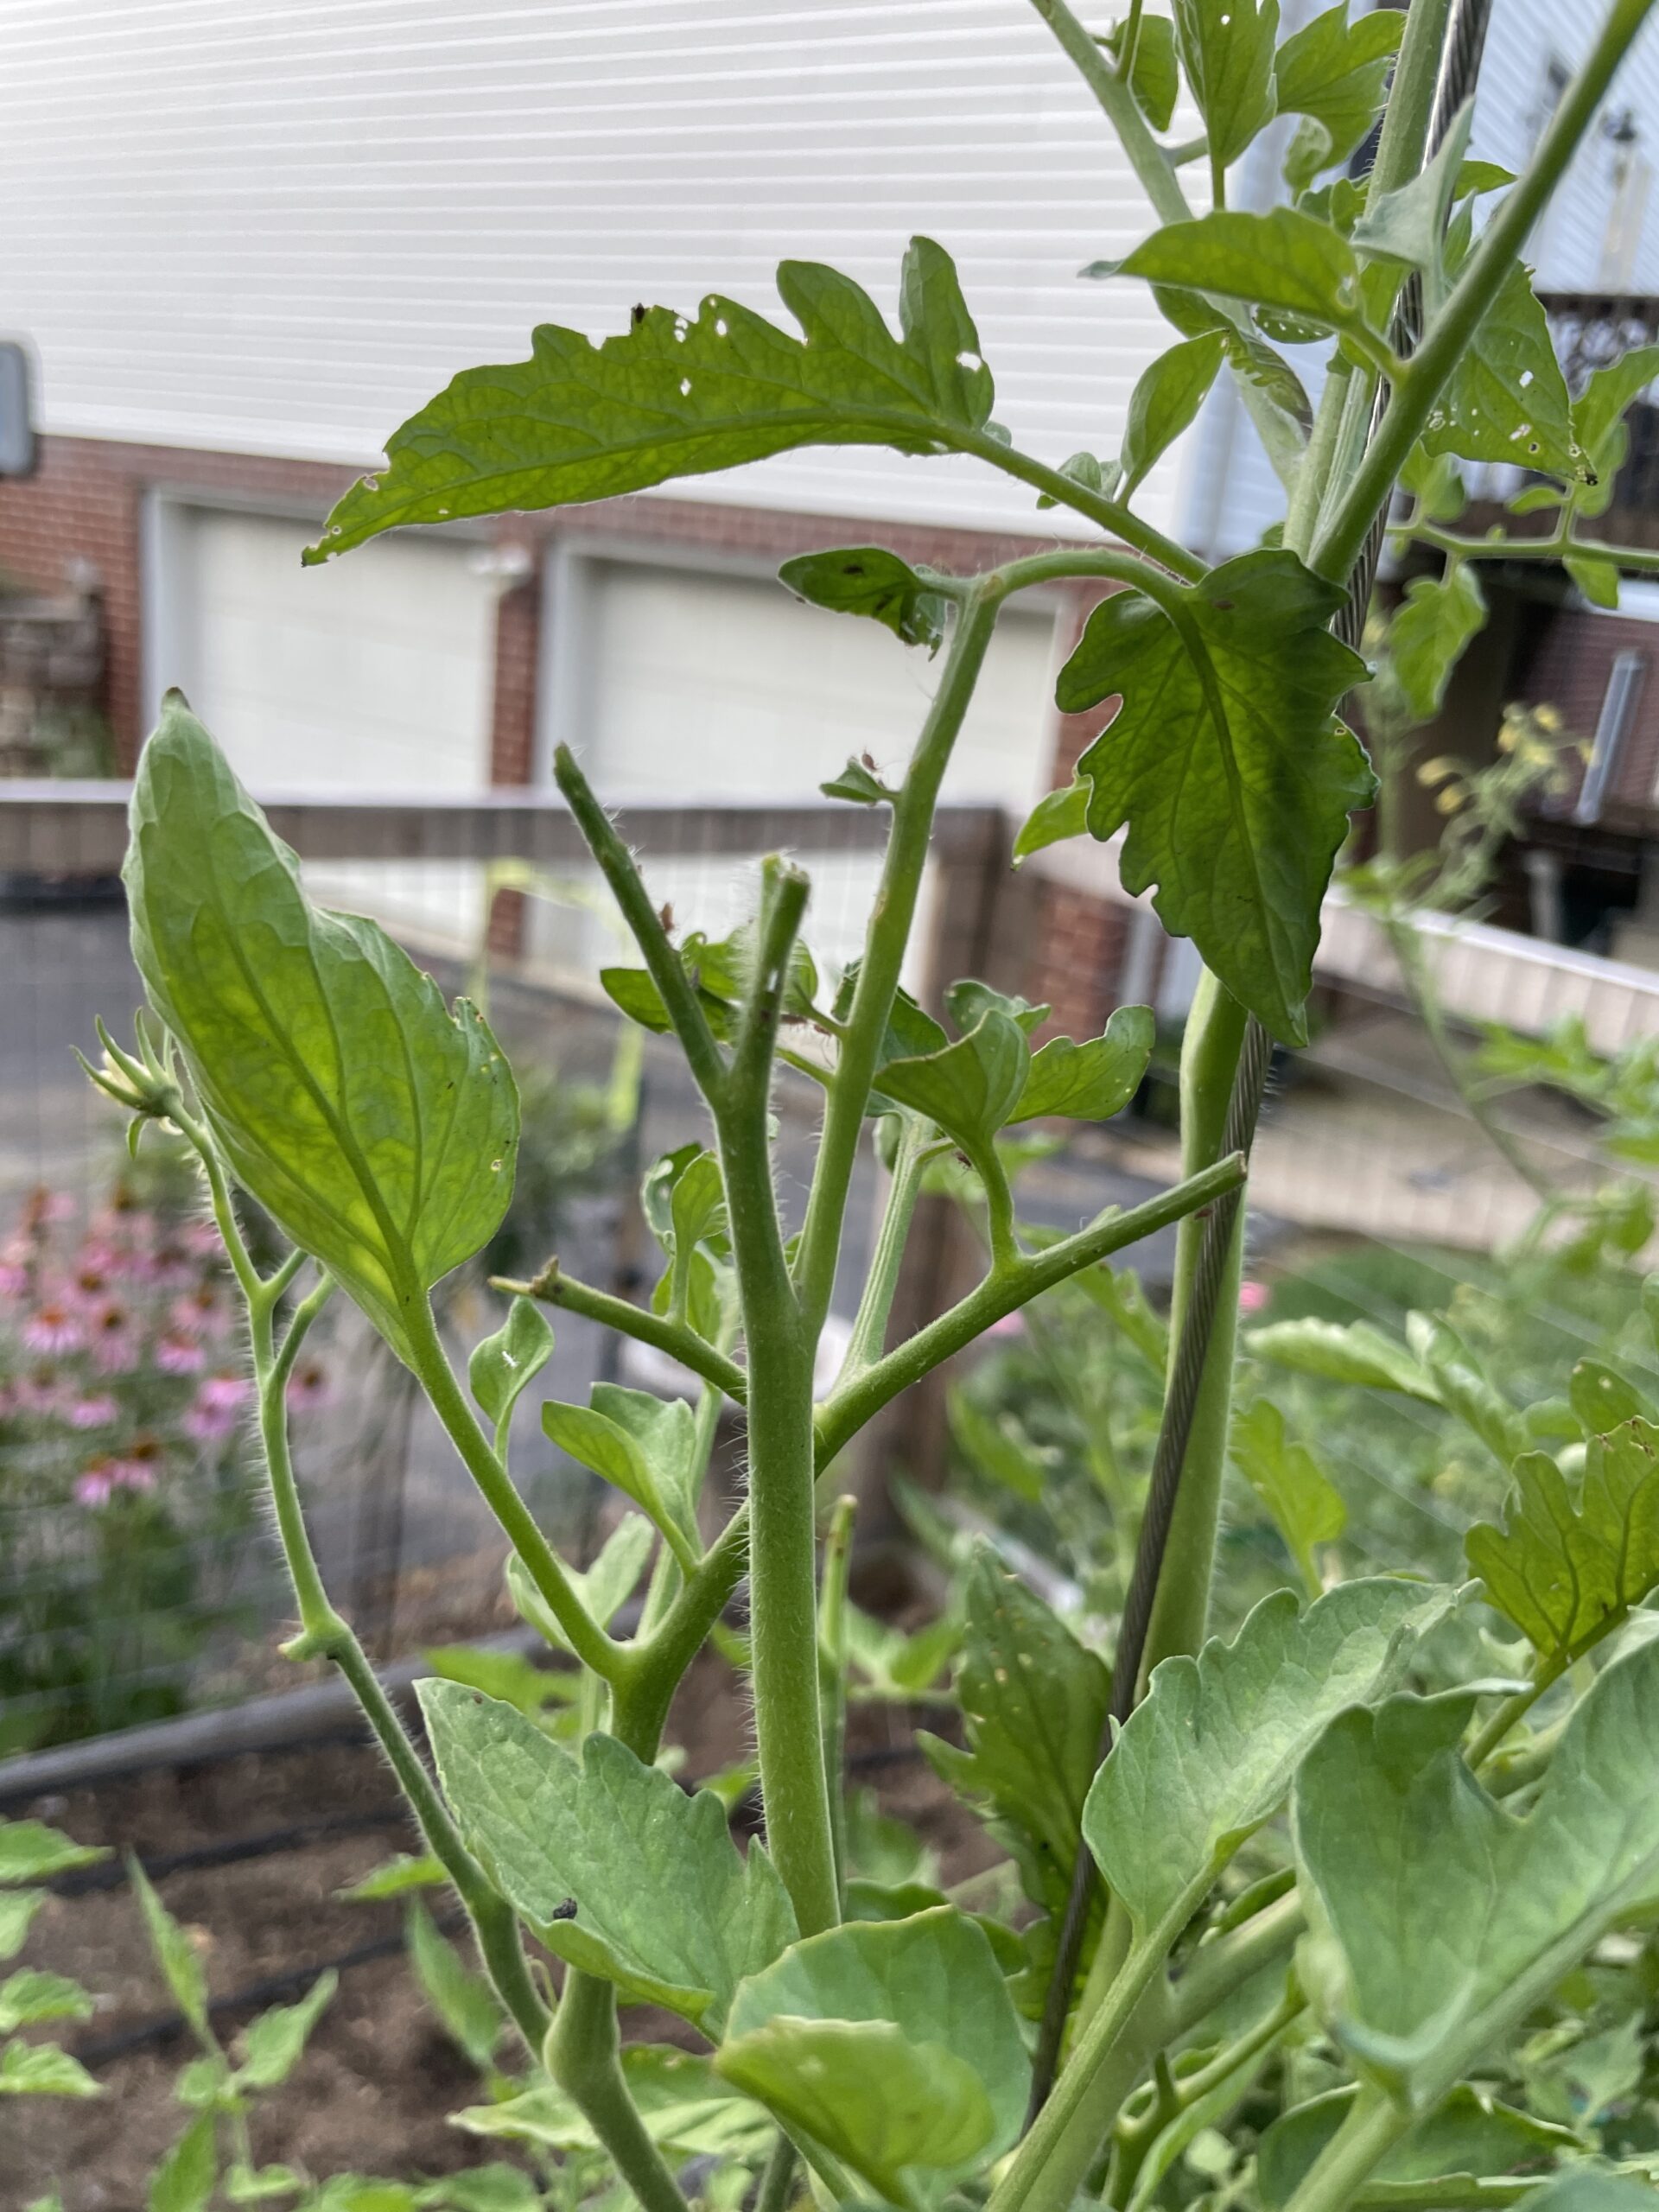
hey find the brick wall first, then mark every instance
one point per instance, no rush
(86, 504)
(1569, 669)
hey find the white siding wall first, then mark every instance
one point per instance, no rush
(278, 225)
(1569, 248)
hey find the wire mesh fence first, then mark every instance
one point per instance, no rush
(135, 1575)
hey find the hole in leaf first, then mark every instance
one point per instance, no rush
(723, 328)
(968, 360)
(685, 387)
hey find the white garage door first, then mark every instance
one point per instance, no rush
(373, 674)
(706, 686)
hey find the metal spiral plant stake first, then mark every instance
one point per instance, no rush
(1466, 37)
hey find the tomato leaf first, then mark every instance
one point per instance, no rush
(376, 1127)
(1442, 1917)
(1225, 763)
(1564, 1568)
(1336, 72)
(672, 398)
(1430, 633)
(665, 1907)
(505, 1365)
(1091, 1082)
(868, 580)
(1165, 400)
(1210, 1751)
(1228, 53)
(892, 2043)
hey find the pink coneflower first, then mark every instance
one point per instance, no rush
(54, 1327)
(1011, 1324)
(96, 1412)
(202, 1312)
(94, 1482)
(37, 1392)
(114, 1345)
(91, 1283)
(1253, 1296)
(171, 1267)
(136, 1468)
(16, 1271)
(177, 1354)
(202, 1238)
(308, 1386)
(217, 1409)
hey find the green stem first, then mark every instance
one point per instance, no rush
(553, 1287)
(1402, 143)
(1192, 2087)
(869, 1335)
(325, 1634)
(832, 1662)
(1640, 560)
(779, 2179)
(667, 969)
(1445, 342)
(1215, 1036)
(783, 1593)
(1049, 2167)
(589, 1641)
(1375, 2124)
(581, 2055)
(1066, 491)
(1004, 1291)
(885, 944)
(653, 1669)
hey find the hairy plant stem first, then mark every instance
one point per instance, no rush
(1374, 2125)
(885, 942)
(870, 1333)
(323, 1632)
(478, 1455)
(1003, 1291)
(832, 1663)
(553, 1287)
(1640, 560)
(782, 1608)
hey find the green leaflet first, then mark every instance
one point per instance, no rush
(1409, 225)
(394, 1877)
(1599, 422)
(1597, 579)
(1091, 1082)
(504, 1365)
(1466, 2134)
(893, 2043)
(689, 2111)
(1602, 1398)
(186, 2177)
(868, 580)
(1441, 1918)
(676, 397)
(897, 1666)
(1350, 1352)
(1565, 1569)
(1227, 53)
(1033, 1704)
(1165, 400)
(644, 1445)
(1507, 399)
(1285, 260)
(1307, 1507)
(1589, 2191)
(1435, 482)
(30, 1996)
(377, 1128)
(1225, 763)
(464, 2001)
(273, 2043)
(176, 1955)
(1054, 818)
(43, 2069)
(970, 1088)
(1336, 72)
(31, 1852)
(17, 1909)
(604, 1589)
(1213, 1748)
(1155, 79)
(664, 1905)
(1430, 632)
